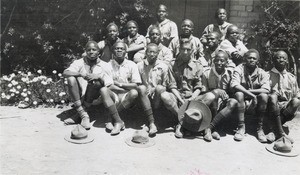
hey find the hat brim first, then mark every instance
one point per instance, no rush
(129, 142)
(89, 139)
(294, 152)
(195, 105)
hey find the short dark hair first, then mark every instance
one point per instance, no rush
(92, 42)
(252, 51)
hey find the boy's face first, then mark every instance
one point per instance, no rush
(113, 33)
(233, 34)
(212, 40)
(154, 36)
(132, 29)
(222, 15)
(119, 51)
(280, 59)
(251, 60)
(92, 51)
(187, 27)
(162, 13)
(151, 54)
(185, 51)
(220, 61)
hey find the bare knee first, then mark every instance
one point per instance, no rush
(239, 96)
(294, 103)
(273, 99)
(142, 90)
(165, 96)
(160, 89)
(71, 81)
(133, 94)
(232, 103)
(262, 97)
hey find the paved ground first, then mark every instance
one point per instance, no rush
(32, 142)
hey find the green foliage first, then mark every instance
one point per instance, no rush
(33, 89)
(279, 29)
(50, 34)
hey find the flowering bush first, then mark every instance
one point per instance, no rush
(28, 89)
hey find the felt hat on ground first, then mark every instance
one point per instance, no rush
(283, 147)
(79, 135)
(194, 116)
(140, 139)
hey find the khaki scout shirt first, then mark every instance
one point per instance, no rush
(157, 74)
(126, 72)
(259, 79)
(188, 76)
(164, 54)
(212, 80)
(197, 46)
(168, 29)
(106, 49)
(283, 83)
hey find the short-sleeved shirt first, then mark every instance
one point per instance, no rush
(126, 72)
(259, 79)
(157, 74)
(164, 54)
(168, 29)
(229, 48)
(187, 76)
(102, 68)
(136, 40)
(221, 29)
(284, 83)
(197, 46)
(212, 80)
(106, 49)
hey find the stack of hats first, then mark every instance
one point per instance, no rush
(282, 147)
(79, 135)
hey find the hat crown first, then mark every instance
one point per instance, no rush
(140, 137)
(193, 116)
(79, 132)
(283, 145)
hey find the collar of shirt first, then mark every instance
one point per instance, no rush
(163, 22)
(87, 62)
(220, 75)
(115, 63)
(276, 71)
(189, 38)
(157, 62)
(131, 40)
(224, 25)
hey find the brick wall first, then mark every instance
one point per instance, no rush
(241, 12)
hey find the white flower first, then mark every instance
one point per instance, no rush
(9, 85)
(54, 71)
(19, 72)
(44, 82)
(28, 92)
(51, 100)
(14, 82)
(5, 77)
(12, 94)
(59, 74)
(39, 71)
(19, 87)
(3, 95)
(26, 99)
(35, 102)
(49, 80)
(17, 92)
(12, 75)
(28, 73)
(24, 90)
(12, 90)
(8, 97)
(48, 90)
(24, 94)
(35, 79)
(62, 101)
(62, 94)
(66, 82)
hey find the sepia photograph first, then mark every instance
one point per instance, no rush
(150, 87)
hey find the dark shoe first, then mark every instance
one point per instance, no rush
(153, 129)
(240, 134)
(271, 137)
(178, 133)
(109, 126)
(207, 136)
(117, 128)
(261, 137)
(215, 135)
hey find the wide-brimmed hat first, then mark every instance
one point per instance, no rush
(283, 147)
(79, 135)
(140, 139)
(194, 116)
